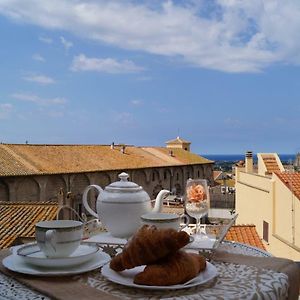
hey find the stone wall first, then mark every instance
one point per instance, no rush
(47, 187)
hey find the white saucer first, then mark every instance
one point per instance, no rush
(32, 254)
(126, 278)
(17, 264)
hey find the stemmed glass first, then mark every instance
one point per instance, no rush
(197, 201)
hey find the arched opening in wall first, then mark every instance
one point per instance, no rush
(200, 173)
(178, 189)
(190, 172)
(28, 190)
(139, 177)
(102, 179)
(4, 193)
(78, 184)
(156, 190)
(167, 175)
(54, 184)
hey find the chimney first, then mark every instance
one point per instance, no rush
(249, 162)
(123, 149)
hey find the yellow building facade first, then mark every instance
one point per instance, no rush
(269, 198)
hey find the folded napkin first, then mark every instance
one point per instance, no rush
(281, 265)
(60, 288)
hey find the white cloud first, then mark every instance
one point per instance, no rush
(28, 97)
(41, 79)
(124, 118)
(5, 110)
(44, 39)
(136, 102)
(227, 35)
(38, 57)
(67, 44)
(107, 65)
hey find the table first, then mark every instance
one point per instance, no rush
(235, 281)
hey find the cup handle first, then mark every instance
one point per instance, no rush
(85, 200)
(50, 239)
(185, 219)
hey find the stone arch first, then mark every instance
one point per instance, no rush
(178, 189)
(167, 178)
(4, 192)
(78, 184)
(156, 190)
(178, 175)
(27, 190)
(140, 177)
(155, 177)
(199, 172)
(189, 172)
(54, 184)
(102, 179)
(167, 174)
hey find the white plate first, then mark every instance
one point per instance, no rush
(32, 254)
(16, 264)
(126, 278)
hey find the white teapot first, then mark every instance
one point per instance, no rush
(121, 204)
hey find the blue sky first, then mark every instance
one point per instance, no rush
(223, 74)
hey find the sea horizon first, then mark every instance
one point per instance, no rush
(237, 157)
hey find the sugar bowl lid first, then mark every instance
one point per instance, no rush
(123, 185)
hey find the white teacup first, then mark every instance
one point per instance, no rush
(59, 238)
(165, 220)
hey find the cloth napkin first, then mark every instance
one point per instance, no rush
(59, 288)
(281, 265)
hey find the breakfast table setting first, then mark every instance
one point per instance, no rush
(142, 253)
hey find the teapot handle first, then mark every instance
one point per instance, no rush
(85, 200)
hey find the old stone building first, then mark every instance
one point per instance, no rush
(38, 172)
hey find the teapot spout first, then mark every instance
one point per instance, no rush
(159, 201)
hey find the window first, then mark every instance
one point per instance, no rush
(153, 176)
(198, 173)
(165, 174)
(177, 176)
(266, 231)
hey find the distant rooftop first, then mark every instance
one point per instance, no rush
(28, 159)
(270, 163)
(18, 219)
(245, 234)
(178, 140)
(292, 181)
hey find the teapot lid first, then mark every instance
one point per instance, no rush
(123, 185)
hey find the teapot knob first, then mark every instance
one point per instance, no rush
(123, 176)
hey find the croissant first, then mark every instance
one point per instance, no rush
(176, 269)
(147, 246)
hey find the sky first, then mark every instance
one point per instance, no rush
(222, 74)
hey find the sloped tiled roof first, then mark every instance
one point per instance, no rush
(292, 181)
(217, 174)
(270, 163)
(21, 159)
(178, 140)
(245, 234)
(19, 219)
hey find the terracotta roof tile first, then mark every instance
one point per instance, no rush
(19, 219)
(178, 140)
(216, 174)
(20, 159)
(292, 181)
(270, 163)
(245, 234)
